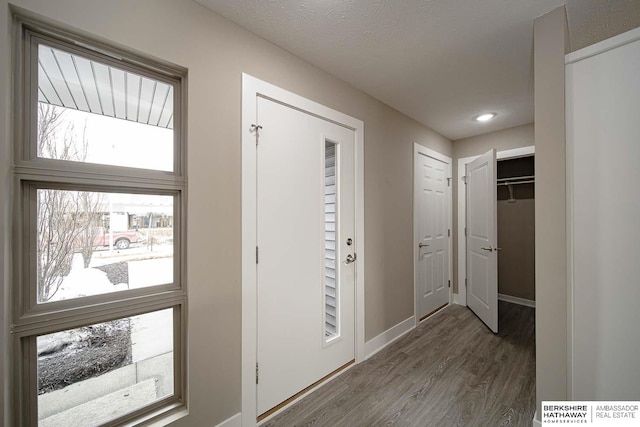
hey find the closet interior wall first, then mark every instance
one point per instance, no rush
(516, 229)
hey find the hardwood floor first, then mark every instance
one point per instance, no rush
(449, 371)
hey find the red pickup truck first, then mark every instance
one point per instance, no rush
(121, 239)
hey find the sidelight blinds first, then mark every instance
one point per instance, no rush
(331, 288)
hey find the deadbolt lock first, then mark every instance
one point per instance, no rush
(349, 241)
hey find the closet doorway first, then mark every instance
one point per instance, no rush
(516, 230)
(513, 248)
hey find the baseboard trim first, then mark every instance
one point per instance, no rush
(389, 336)
(234, 421)
(459, 299)
(536, 422)
(516, 300)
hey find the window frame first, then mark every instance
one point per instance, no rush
(26, 155)
(30, 173)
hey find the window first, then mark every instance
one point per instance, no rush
(99, 285)
(331, 279)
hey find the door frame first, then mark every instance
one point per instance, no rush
(461, 297)
(252, 88)
(422, 150)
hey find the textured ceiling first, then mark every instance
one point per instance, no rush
(440, 62)
(591, 21)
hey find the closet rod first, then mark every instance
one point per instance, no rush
(517, 182)
(515, 178)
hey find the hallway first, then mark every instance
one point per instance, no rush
(449, 371)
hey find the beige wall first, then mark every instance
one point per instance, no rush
(550, 46)
(389, 139)
(507, 139)
(216, 52)
(516, 237)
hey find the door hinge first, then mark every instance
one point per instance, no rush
(256, 254)
(464, 179)
(465, 282)
(257, 373)
(449, 232)
(465, 231)
(255, 129)
(449, 283)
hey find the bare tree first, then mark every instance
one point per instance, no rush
(66, 220)
(58, 230)
(91, 205)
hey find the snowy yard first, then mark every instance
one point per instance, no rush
(130, 359)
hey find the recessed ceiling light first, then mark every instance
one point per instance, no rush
(484, 117)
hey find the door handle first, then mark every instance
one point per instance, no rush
(422, 245)
(350, 259)
(490, 249)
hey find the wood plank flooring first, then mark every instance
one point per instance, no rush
(449, 371)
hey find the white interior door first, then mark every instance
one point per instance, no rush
(431, 233)
(305, 283)
(482, 239)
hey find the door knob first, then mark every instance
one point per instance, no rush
(351, 258)
(422, 245)
(490, 249)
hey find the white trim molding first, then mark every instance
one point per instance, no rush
(517, 300)
(419, 148)
(234, 421)
(462, 221)
(603, 46)
(251, 89)
(389, 336)
(515, 153)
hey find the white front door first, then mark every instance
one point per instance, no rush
(431, 233)
(305, 235)
(482, 239)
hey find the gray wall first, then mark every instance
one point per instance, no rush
(216, 52)
(507, 139)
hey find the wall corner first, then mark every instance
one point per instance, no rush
(550, 45)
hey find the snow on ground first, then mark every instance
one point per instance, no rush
(152, 333)
(82, 282)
